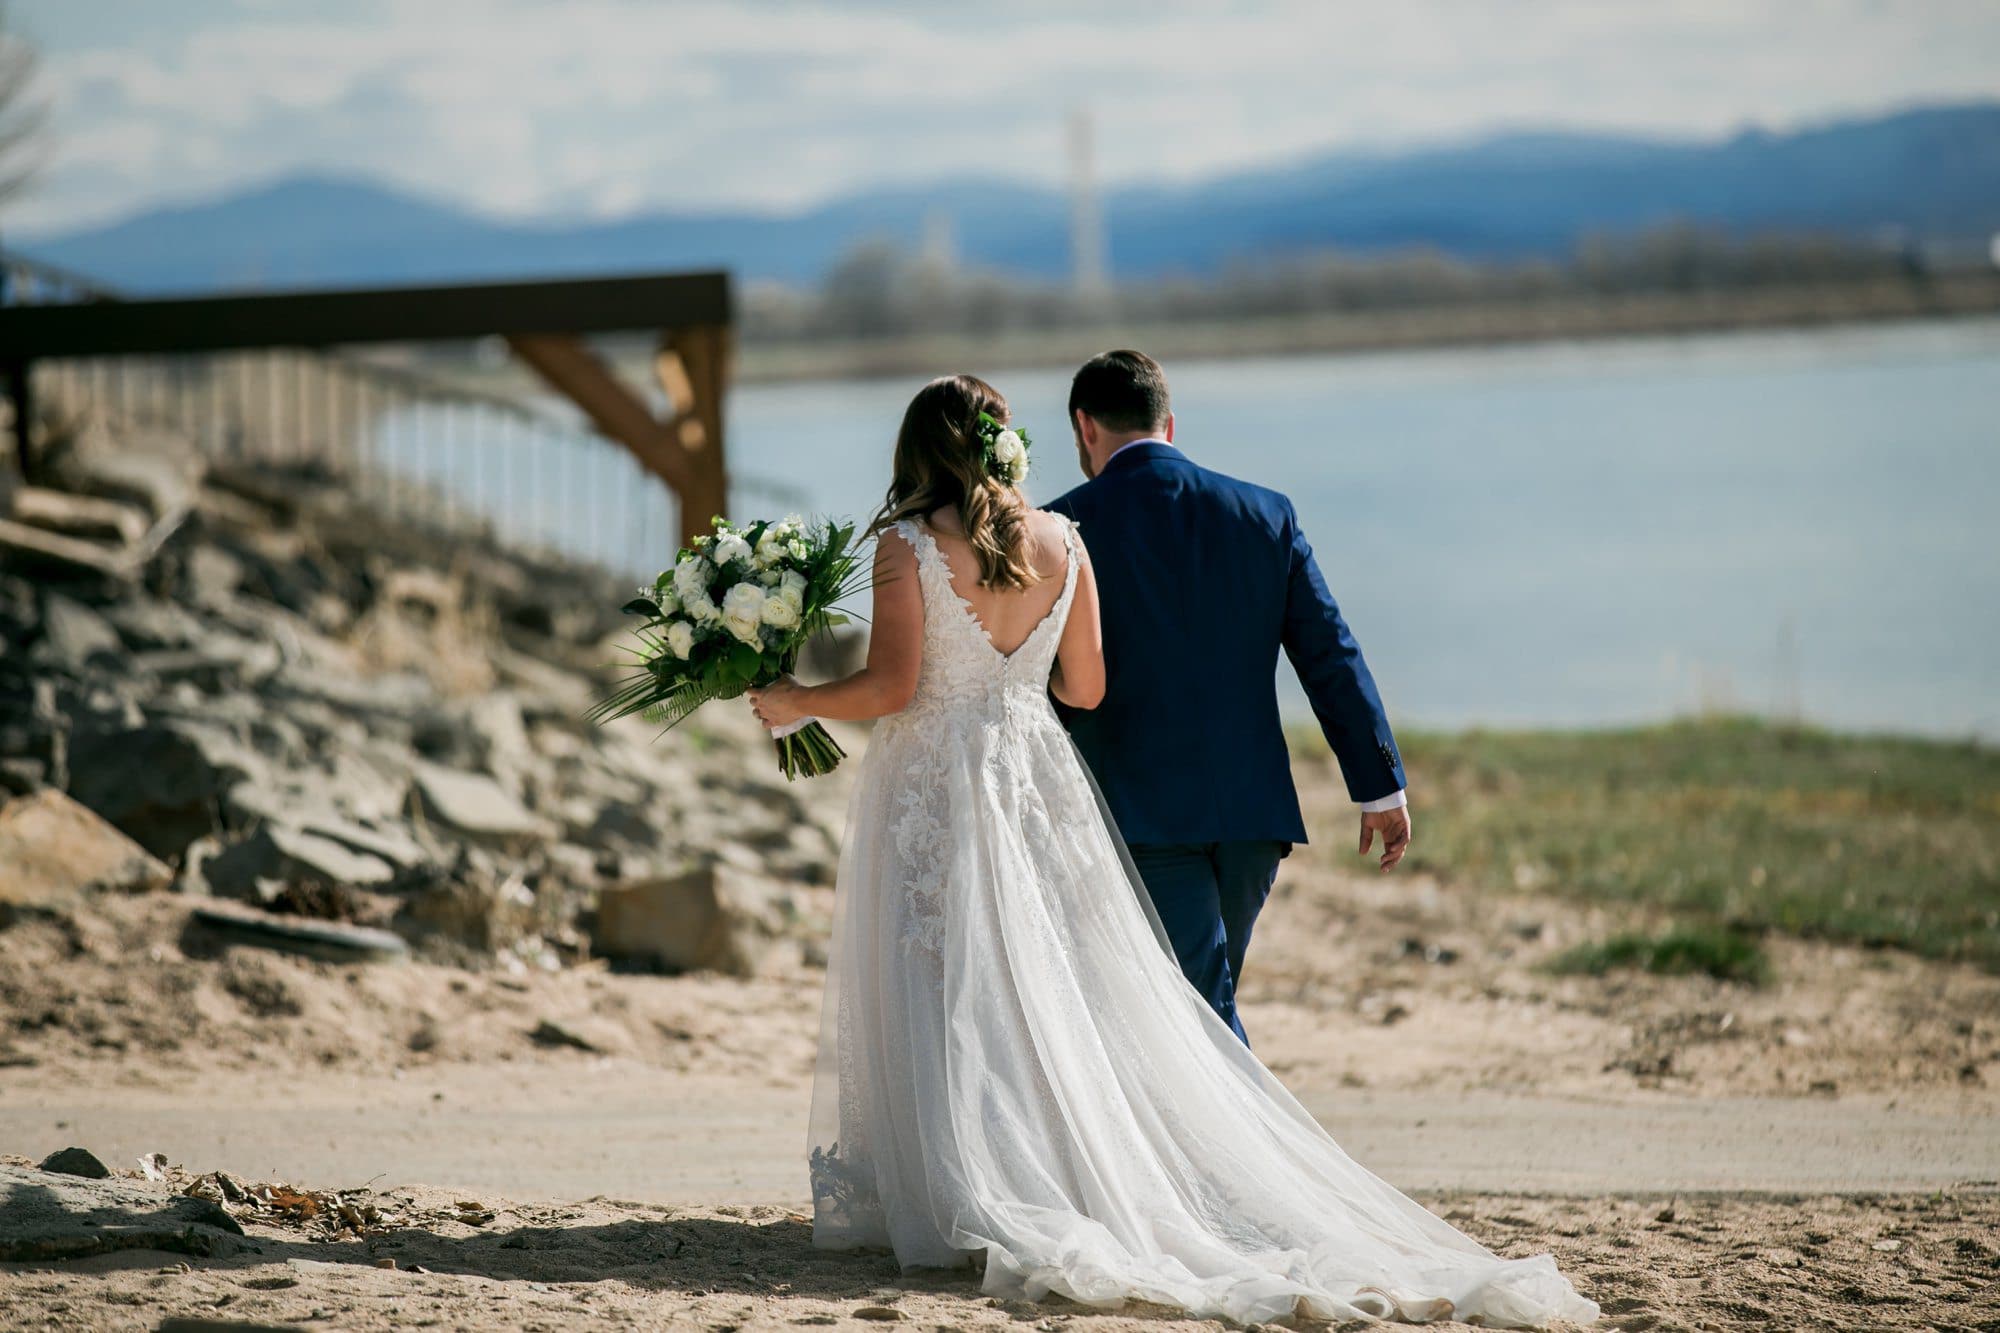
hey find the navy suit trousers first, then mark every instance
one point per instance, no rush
(1208, 895)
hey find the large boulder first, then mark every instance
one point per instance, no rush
(714, 918)
(161, 782)
(53, 851)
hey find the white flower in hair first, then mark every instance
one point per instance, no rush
(1011, 455)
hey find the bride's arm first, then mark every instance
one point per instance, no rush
(895, 652)
(1078, 678)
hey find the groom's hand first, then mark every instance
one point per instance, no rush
(1394, 826)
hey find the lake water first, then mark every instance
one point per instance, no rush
(1573, 534)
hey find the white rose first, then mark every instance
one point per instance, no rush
(730, 547)
(1011, 455)
(771, 578)
(780, 614)
(691, 577)
(680, 638)
(771, 546)
(664, 598)
(743, 612)
(703, 610)
(793, 589)
(797, 548)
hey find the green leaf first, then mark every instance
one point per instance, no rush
(641, 606)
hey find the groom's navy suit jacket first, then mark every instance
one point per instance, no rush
(1202, 580)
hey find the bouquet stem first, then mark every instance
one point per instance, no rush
(808, 753)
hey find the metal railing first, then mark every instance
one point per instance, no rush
(410, 441)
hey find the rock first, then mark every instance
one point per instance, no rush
(211, 576)
(358, 787)
(487, 735)
(548, 1032)
(32, 550)
(216, 663)
(715, 918)
(54, 851)
(75, 636)
(390, 843)
(292, 856)
(46, 1215)
(161, 782)
(619, 827)
(76, 1162)
(475, 804)
(151, 623)
(330, 940)
(154, 469)
(20, 776)
(469, 905)
(80, 515)
(562, 692)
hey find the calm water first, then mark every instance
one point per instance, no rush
(1571, 534)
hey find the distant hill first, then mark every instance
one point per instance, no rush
(1934, 173)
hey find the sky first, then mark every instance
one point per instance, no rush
(603, 108)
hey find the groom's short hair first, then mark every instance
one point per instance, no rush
(1123, 390)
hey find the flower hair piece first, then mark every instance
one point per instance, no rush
(1003, 449)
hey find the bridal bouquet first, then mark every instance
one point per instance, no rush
(731, 615)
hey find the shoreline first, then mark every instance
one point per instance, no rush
(1572, 319)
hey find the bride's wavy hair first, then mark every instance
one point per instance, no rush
(941, 462)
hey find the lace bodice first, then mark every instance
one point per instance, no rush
(962, 671)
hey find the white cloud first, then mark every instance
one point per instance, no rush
(606, 106)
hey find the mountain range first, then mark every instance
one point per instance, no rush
(1930, 173)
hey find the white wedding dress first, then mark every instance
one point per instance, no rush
(1011, 1064)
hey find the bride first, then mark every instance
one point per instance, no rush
(1012, 1066)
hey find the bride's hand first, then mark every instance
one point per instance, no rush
(780, 704)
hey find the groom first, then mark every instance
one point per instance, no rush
(1202, 579)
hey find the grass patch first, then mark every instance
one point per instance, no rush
(1724, 822)
(1722, 954)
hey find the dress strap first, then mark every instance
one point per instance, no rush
(1073, 547)
(933, 574)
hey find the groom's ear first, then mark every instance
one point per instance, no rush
(1170, 428)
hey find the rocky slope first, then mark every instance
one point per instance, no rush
(244, 682)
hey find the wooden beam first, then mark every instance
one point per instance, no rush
(704, 354)
(671, 372)
(576, 372)
(378, 315)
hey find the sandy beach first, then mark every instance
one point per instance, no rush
(1822, 1151)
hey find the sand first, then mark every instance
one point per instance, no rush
(1821, 1152)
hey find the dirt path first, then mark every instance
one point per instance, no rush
(562, 1127)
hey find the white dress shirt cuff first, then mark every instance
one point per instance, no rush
(1393, 802)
